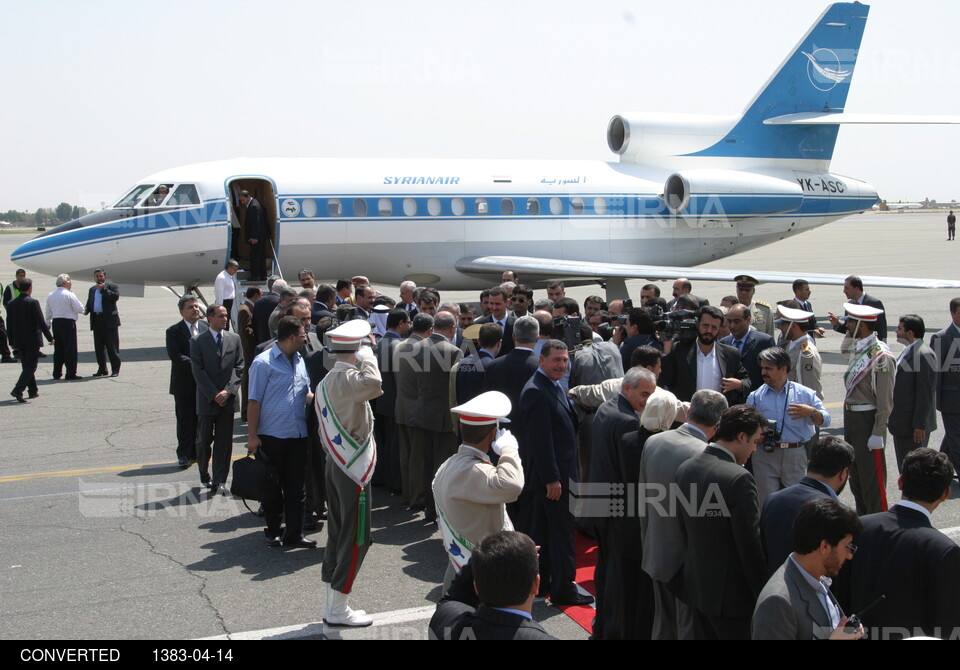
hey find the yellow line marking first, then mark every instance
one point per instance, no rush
(89, 471)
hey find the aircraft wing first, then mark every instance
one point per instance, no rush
(553, 268)
(845, 118)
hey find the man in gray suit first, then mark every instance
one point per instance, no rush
(411, 460)
(914, 414)
(661, 532)
(433, 360)
(217, 360)
(795, 604)
(946, 344)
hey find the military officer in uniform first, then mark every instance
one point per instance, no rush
(869, 381)
(761, 313)
(469, 491)
(806, 365)
(346, 431)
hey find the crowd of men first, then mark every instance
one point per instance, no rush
(499, 422)
(28, 324)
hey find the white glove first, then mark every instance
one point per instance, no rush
(875, 442)
(364, 352)
(504, 439)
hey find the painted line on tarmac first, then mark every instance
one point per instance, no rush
(95, 471)
(318, 628)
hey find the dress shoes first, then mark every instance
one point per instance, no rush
(183, 463)
(100, 373)
(115, 373)
(301, 542)
(8, 359)
(40, 354)
(18, 396)
(35, 394)
(205, 478)
(274, 542)
(571, 598)
(73, 377)
(57, 377)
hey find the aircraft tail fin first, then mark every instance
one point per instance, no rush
(814, 78)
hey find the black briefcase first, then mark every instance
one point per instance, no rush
(251, 478)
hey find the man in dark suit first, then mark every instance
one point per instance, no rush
(550, 436)
(257, 231)
(492, 596)
(27, 328)
(385, 407)
(705, 363)
(801, 294)
(827, 474)
(902, 556)
(217, 361)
(247, 339)
(914, 414)
(434, 359)
(616, 576)
(183, 387)
(324, 307)
(105, 323)
(472, 369)
(265, 307)
(497, 301)
(794, 604)
(946, 345)
(660, 529)
(724, 569)
(748, 341)
(853, 289)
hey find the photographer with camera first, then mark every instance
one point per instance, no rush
(640, 330)
(793, 413)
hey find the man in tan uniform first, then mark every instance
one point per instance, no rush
(346, 431)
(760, 312)
(869, 381)
(470, 492)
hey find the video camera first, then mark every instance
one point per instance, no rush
(682, 323)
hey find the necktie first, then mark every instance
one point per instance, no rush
(219, 343)
(739, 345)
(193, 331)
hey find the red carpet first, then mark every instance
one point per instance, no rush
(586, 553)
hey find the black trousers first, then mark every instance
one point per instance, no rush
(28, 371)
(186, 410)
(106, 344)
(552, 528)
(64, 347)
(288, 458)
(4, 340)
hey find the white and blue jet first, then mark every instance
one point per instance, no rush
(686, 190)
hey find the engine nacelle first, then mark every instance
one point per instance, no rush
(730, 194)
(636, 136)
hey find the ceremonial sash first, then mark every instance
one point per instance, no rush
(458, 547)
(355, 459)
(863, 363)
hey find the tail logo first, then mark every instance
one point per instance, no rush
(824, 69)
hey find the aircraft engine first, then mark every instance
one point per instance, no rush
(639, 136)
(730, 193)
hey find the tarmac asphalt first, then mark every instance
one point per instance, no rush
(103, 537)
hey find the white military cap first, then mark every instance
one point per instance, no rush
(862, 312)
(347, 336)
(792, 315)
(486, 408)
(472, 332)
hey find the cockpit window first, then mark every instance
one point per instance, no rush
(134, 195)
(184, 194)
(156, 198)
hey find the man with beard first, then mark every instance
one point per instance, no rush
(705, 363)
(795, 604)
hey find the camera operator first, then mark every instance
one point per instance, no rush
(793, 413)
(639, 330)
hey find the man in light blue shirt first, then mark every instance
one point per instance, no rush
(797, 411)
(279, 392)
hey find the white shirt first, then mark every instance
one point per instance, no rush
(903, 354)
(63, 304)
(224, 288)
(708, 369)
(194, 328)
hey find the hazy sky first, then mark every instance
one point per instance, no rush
(100, 93)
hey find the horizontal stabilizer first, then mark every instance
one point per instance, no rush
(844, 118)
(559, 269)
